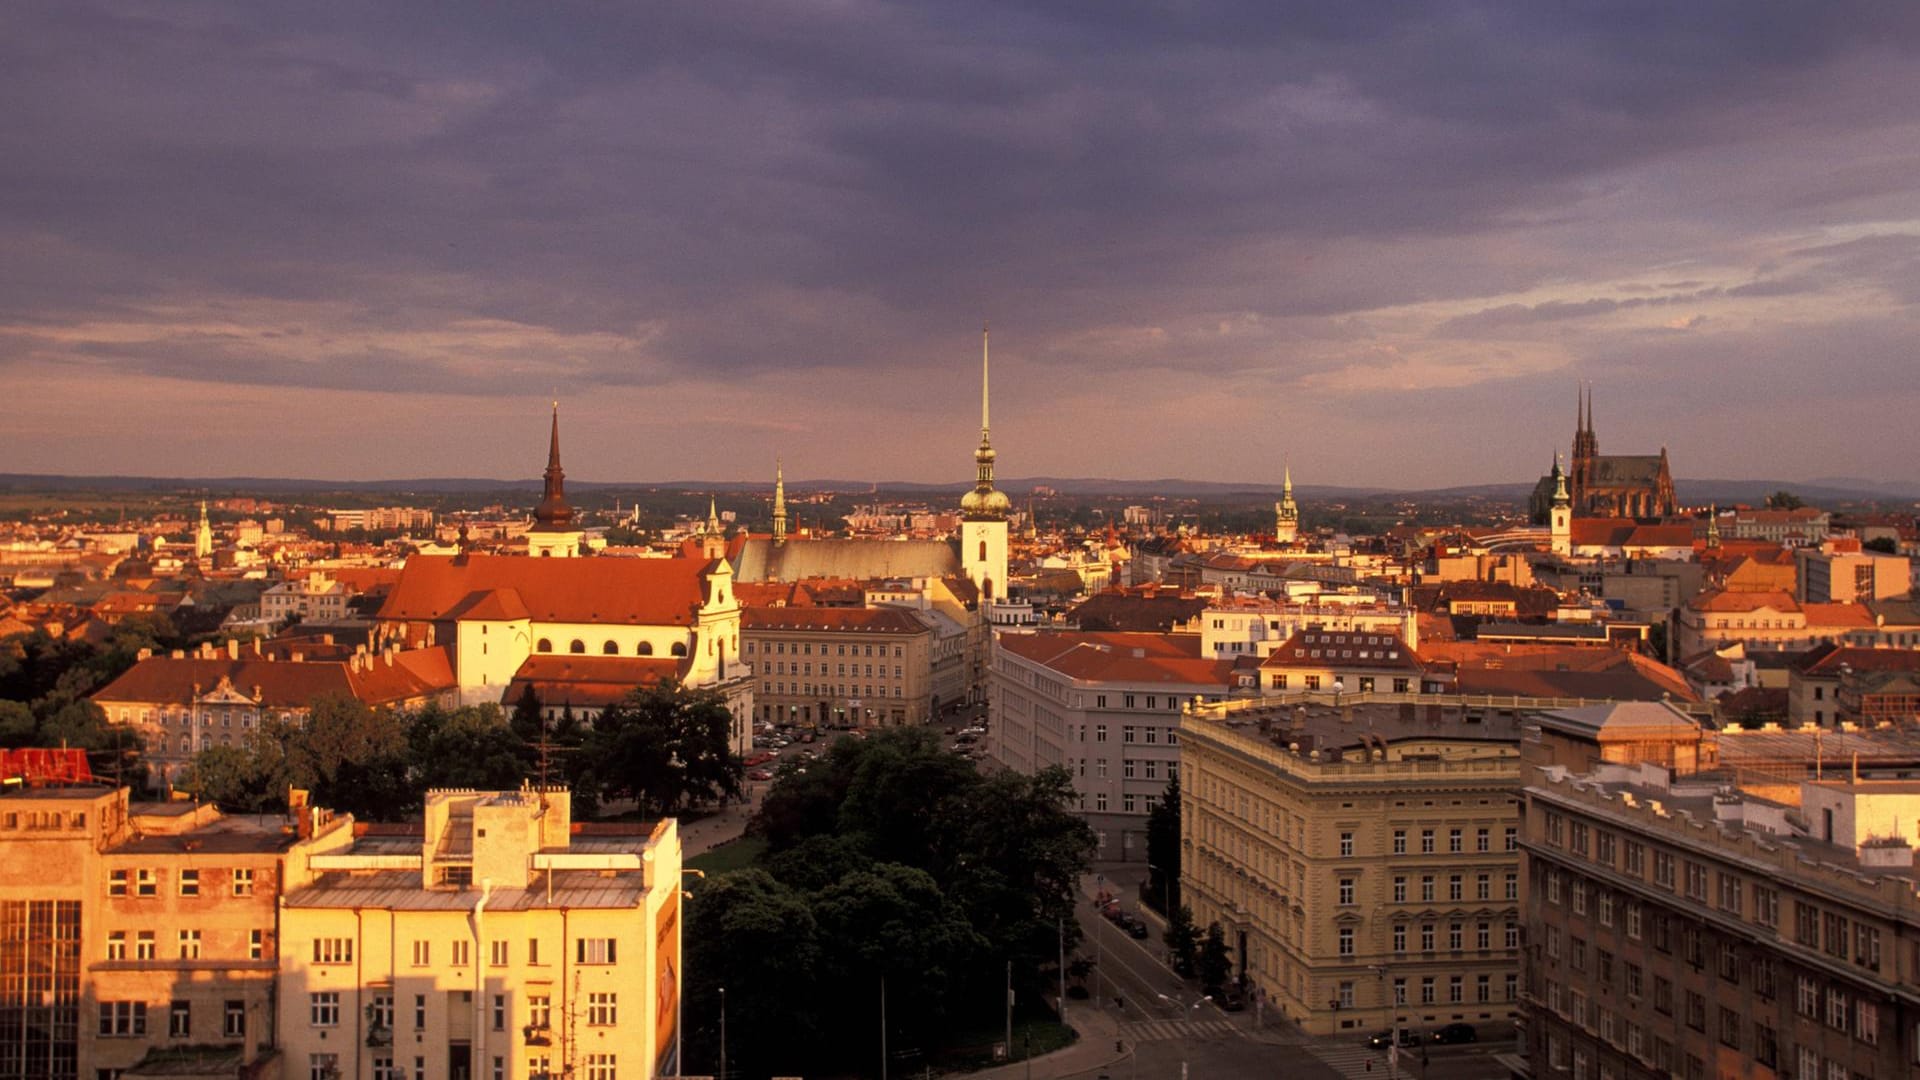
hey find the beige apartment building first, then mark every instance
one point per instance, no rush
(853, 666)
(136, 935)
(1362, 858)
(1105, 707)
(1678, 927)
(495, 941)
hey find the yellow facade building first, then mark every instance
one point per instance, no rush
(495, 941)
(1362, 859)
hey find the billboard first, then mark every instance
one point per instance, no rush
(666, 977)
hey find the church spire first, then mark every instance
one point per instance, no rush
(713, 516)
(779, 503)
(553, 511)
(1560, 497)
(983, 503)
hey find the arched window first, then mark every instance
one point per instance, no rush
(545, 645)
(983, 551)
(646, 648)
(578, 646)
(611, 648)
(679, 648)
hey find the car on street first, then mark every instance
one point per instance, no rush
(1456, 1033)
(1135, 926)
(760, 774)
(1408, 1037)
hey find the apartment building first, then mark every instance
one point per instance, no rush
(853, 667)
(1362, 859)
(135, 935)
(495, 940)
(1677, 926)
(1106, 707)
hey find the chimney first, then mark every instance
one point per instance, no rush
(256, 647)
(145, 654)
(233, 648)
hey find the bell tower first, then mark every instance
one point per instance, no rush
(553, 535)
(983, 511)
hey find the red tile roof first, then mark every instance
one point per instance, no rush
(618, 592)
(1826, 660)
(875, 620)
(413, 674)
(1347, 649)
(1122, 658)
(591, 681)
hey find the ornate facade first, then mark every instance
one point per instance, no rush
(1609, 485)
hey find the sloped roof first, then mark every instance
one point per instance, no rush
(413, 673)
(1723, 600)
(1626, 719)
(590, 681)
(760, 559)
(1122, 658)
(1611, 470)
(870, 620)
(617, 592)
(1825, 660)
(1111, 611)
(1344, 649)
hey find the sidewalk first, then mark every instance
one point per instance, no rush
(1089, 1055)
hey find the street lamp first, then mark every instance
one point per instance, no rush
(723, 1033)
(1186, 1037)
(1393, 1020)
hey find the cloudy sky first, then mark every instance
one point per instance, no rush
(1383, 244)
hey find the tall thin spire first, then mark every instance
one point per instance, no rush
(1286, 483)
(779, 503)
(983, 383)
(553, 511)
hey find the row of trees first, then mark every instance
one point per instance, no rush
(662, 747)
(889, 862)
(45, 682)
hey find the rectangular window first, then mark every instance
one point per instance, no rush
(1346, 892)
(1346, 845)
(189, 944)
(117, 883)
(123, 1019)
(1400, 888)
(499, 1012)
(1399, 841)
(602, 1010)
(533, 951)
(1346, 941)
(189, 883)
(337, 950)
(1456, 889)
(323, 1009)
(1426, 841)
(256, 944)
(422, 953)
(234, 1024)
(144, 946)
(540, 1010)
(1455, 843)
(420, 1012)
(179, 1020)
(497, 953)
(1399, 939)
(602, 1067)
(117, 945)
(1636, 858)
(243, 881)
(146, 883)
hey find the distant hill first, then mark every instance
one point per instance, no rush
(1819, 492)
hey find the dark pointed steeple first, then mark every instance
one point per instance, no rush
(553, 513)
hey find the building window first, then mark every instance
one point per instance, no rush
(1512, 839)
(123, 1019)
(189, 944)
(1346, 941)
(1513, 885)
(1399, 841)
(145, 883)
(243, 882)
(1399, 939)
(1456, 890)
(1099, 733)
(1455, 844)
(1426, 841)
(117, 945)
(462, 952)
(497, 953)
(603, 1009)
(422, 953)
(1483, 840)
(420, 1012)
(540, 1011)
(323, 1009)
(602, 1067)
(234, 1026)
(1346, 845)
(1400, 889)
(1346, 892)
(179, 1020)
(323, 1066)
(338, 950)
(499, 1012)
(117, 883)
(256, 944)
(189, 883)
(1426, 888)
(1426, 990)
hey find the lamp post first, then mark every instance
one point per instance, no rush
(1186, 1037)
(723, 1033)
(1393, 1020)
(679, 963)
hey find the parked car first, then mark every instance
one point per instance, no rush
(1456, 1033)
(1136, 926)
(759, 774)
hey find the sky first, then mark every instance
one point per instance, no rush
(1380, 243)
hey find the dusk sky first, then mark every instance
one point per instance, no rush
(1382, 243)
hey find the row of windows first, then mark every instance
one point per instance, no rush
(1429, 936)
(145, 881)
(1364, 684)
(499, 951)
(1145, 734)
(186, 942)
(1483, 990)
(611, 648)
(128, 1019)
(324, 1010)
(805, 648)
(832, 689)
(1456, 841)
(1429, 888)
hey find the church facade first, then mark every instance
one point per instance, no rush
(1608, 485)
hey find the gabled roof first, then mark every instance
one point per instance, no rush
(613, 592)
(284, 684)
(1825, 660)
(1122, 658)
(1611, 470)
(868, 620)
(760, 559)
(590, 681)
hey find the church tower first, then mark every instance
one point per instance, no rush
(983, 511)
(1286, 512)
(713, 539)
(1713, 527)
(203, 536)
(1560, 518)
(553, 534)
(779, 504)
(1586, 447)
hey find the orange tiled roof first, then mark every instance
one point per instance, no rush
(1723, 600)
(1344, 649)
(875, 620)
(1121, 657)
(591, 681)
(620, 592)
(412, 674)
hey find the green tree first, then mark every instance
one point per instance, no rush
(1885, 545)
(1163, 849)
(894, 922)
(350, 757)
(1182, 939)
(755, 938)
(1784, 500)
(467, 747)
(1214, 964)
(663, 746)
(231, 778)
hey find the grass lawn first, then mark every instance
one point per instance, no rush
(727, 858)
(972, 1047)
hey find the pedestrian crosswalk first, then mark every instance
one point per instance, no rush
(1353, 1060)
(1163, 1030)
